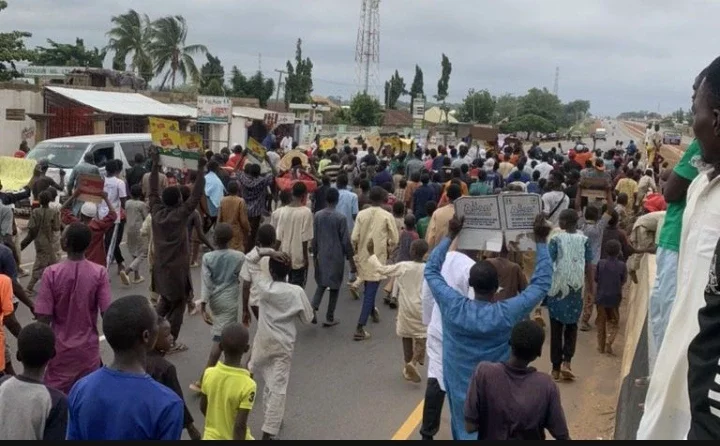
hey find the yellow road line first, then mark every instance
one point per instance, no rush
(410, 425)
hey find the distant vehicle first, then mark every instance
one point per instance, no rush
(672, 138)
(600, 133)
(552, 137)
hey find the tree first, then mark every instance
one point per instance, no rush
(365, 110)
(212, 77)
(170, 53)
(541, 103)
(529, 123)
(298, 83)
(12, 49)
(689, 117)
(574, 112)
(506, 107)
(478, 106)
(68, 55)
(256, 87)
(261, 88)
(444, 82)
(131, 36)
(416, 89)
(394, 88)
(679, 115)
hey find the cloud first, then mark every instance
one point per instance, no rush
(621, 55)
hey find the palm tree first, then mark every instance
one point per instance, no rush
(169, 51)
(131, 36)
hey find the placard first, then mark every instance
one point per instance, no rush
(90, 188)
(492, 220)
(178, 149)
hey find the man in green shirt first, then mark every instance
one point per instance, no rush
(665, 288)
(423, 223)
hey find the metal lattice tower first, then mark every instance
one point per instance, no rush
(556, 85)
(367, 49)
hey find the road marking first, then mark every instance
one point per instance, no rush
(410, 425)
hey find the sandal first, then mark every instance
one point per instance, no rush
(124, 278)
(177, 348)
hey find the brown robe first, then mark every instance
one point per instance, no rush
(234, 212)
(171, 262)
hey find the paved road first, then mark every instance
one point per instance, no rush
(341, 389)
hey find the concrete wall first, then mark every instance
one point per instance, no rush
(12, 133)
(635, 360)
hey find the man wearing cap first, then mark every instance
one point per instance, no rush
(88, 216)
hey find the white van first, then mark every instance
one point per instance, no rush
(66, 153)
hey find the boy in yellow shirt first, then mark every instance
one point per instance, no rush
(228, 390)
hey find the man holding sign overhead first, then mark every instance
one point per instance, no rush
(479, 330)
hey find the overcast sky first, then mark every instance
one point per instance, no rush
(620, 54)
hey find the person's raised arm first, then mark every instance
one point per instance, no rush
(198, 188)
(521, 305)
(441, 291)
(154, 197)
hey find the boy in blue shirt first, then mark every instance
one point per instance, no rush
(121, 401)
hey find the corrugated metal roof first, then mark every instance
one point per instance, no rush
(186, 109)
(251, 112)
(133, 104)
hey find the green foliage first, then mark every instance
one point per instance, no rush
(417, 86)
(339, 116)
(477, 107)
(444, 81)
(256, 87)
(641, 114)
(679, 115)
(365, 110)
(574, 112)
(131, 36)
(212, 77)
(298, 83)
(68, 55)
(506, 106)
(170, 53)
(529, 123)
(394, 88)
(12, 49)
(541, 103)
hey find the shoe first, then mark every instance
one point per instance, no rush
(361, 335)
(556, 376)
(375, 315)
(393, 303)
(355, 293)
(566, 372)
(330, 323)
(314, 319)
(140, 279)
(23, 273)
(584, 326)
(124, 278)
(194, 265)
(410, 373)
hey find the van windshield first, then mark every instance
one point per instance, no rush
(65, 155)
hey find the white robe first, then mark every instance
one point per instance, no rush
(456, 271)
(282, 305)
(667, 404)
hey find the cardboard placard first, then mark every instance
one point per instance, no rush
(178, 149)
(90, 188)
(256, 149)
(493, 219)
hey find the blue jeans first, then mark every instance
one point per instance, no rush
(662, 298)
(368, 305)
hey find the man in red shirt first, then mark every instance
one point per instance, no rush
(22, 150)
(88, 213)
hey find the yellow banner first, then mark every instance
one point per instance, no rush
(191, 141)
(165, 133)
(256, 149)
(15, 172)
(327, 144)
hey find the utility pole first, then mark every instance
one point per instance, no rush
(280, 75)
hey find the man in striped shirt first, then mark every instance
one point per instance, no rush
(332, 170)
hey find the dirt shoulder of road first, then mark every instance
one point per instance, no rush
(672, 154)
